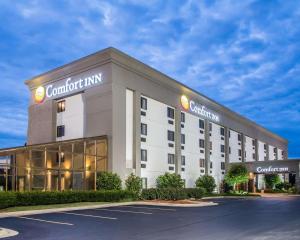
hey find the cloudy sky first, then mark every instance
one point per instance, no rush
(244, 54)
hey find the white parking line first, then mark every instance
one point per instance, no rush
(152, 208)
(88, 215)
(47, 221)
(122, 211)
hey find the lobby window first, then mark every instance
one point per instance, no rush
(202, 162)
(170, 135)
(222, 148)
(144, 155)
(61, 106)
(171, 158)
(143, 103)
(201, 123)
(201, 143)
(60, 131)
(144, 129)
(182, 117)
(222, 131)
(170, 112)
(183, 160)
(182, 139)
(222, 165)
(62, 157)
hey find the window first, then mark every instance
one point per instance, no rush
(222, 131)
(240, 152)
(253, 142)
(62, 157)
(253, 156)
(60, 131)
(210, 127)
(143, 165)
(143, 113)
(222, 148)
(223, 165)
(229, 150)
(171, 158)
(183, 160)
(202, 163)
(144, 155)
(201, 143)
(182, 117)
(229, 133)
(201, 123)
(275, 150)
(210, 145)
(144, 129)
(211, 164)
(182, 139)
(170, 113)
(61, 106)
(143, 103)
(170, 135)
(239, 137)
(171, 168)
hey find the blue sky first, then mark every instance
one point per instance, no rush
(244, 54)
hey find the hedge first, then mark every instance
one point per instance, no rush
(172, 193)
(12, 199)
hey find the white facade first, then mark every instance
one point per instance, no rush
(249, 149)
(262, 153)
(235, 147)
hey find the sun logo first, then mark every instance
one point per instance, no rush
(39, 94)
(185, 102)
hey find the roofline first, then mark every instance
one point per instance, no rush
(118, 52)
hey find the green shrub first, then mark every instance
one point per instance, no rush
(169, 180)
(283, 186)
(149, 194)
(271, 180)
(108, 181)
(196, 193)
(236, 174)
(207, 182)
(134, 184)
(11, 199)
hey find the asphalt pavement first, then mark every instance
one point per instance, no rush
(232, 219)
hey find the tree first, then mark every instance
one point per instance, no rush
(169, 180)
(134, 184)
(271, 180)
(207, 182)
(237, 174)
(108, 181)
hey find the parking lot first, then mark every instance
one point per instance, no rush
(271, 218)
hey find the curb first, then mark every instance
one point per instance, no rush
(54, 210)
(4, 233)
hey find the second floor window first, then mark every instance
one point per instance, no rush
(144, 129)
(60, 131)
(61, 106)
(170, 136)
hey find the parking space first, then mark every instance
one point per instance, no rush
(231, 219)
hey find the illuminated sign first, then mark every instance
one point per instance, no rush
(201, 110)
(68, 86)
(271, 169)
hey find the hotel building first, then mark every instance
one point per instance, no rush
(111, 112)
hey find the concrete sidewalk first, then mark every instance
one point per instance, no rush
(53, 210)
(4, 233)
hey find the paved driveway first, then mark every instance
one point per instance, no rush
(259, 219)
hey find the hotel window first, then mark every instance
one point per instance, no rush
(61, 106)
(62, 157)
(210, 127)
(143, 103)
(239, 137)
(201, 123)
(201, 143)
(210, 145)
(253, 156)
(182, 139)
(144, 129)
(265, 146)
(60, 131)
(144, 155)
(222, 148)
(229, 149)
(240, 152)
(229, 134)
(170, 135)
(183, 160)
(170, 113)
(182, 117)
(202, 163)
(222, 131)
(253, 142)
(171, 158)
(143, 165)
(222, 165)
(211, 164)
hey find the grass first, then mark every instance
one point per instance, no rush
(51, 206)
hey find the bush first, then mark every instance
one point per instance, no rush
(283, 186)
(237, 174)
(108, 181)
(207, 182)
(134, 184)
(172, 193)
(271, 180)
(169, 180)
(12, 199)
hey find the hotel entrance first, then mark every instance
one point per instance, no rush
(59, 166)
